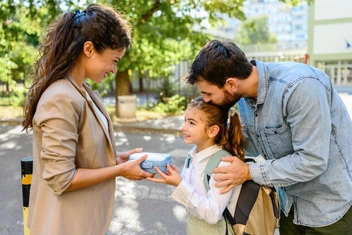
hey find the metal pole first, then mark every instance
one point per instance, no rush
(27, 169)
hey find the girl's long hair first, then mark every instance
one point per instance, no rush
(63, 43)
(230, 136)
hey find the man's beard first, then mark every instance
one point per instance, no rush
(229, 100)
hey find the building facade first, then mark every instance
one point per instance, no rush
(289, 25)
(330, 39)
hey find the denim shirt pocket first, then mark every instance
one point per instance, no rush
(250, 146)
(277, 141)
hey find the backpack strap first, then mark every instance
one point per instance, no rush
(246, 201)
(189, 158)
(213, 162)
(247, 197)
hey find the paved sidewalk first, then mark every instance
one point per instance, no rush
(168, 125)
(347, 99)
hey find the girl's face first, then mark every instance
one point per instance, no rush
(100, 65)
(195, 131)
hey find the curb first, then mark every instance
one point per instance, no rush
(137, 127)
(11, 121)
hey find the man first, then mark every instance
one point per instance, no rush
(295, 119)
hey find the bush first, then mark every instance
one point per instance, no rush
(173, 105)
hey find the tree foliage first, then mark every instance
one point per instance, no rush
(255, 31)
(19, 36)
(163, 32)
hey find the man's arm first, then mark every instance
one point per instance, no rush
(308, 117)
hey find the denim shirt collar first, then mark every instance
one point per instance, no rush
(263, 83)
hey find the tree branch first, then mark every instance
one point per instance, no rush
(147, 15)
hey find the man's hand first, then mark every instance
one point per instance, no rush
(230, 176)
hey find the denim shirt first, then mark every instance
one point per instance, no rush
(300, 125)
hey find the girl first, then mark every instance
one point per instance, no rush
(75, 162)
(205, 127)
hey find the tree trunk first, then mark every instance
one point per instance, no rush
(140, 82)
(123, 87)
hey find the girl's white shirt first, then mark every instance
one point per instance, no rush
(192, 193)
(97, 110)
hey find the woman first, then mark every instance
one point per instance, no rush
(75, 162)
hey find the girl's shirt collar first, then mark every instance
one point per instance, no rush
(205, 152)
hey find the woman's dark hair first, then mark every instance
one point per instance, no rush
(63, 43)
(216, 62)
(230, 138)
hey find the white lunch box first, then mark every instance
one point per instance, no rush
(154, 159)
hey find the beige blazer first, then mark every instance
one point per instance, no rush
(68, 134)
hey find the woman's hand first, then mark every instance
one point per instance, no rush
(132, 169)
(122, 157)
(172, 176)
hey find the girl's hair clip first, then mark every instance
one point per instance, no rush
(78, 14)
(232, 112)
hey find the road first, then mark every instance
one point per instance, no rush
(141, 207)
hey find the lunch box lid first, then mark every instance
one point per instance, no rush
(154, 159)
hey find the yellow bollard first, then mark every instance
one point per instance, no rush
(27, 169)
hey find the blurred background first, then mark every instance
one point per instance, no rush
(167, 34)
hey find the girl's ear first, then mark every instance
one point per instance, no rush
(213, 131)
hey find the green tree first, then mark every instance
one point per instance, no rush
(18, 38)
(163, 32)
(255, 31)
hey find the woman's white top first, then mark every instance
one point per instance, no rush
(97, 110)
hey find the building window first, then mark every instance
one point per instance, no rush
(340, 72)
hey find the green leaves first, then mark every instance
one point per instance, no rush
(163, 31)
(255, 31)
